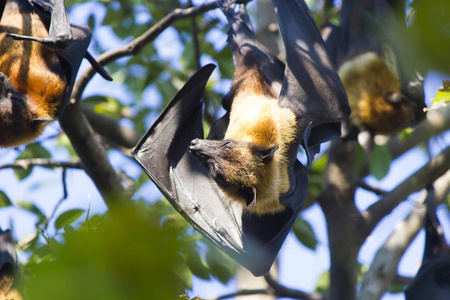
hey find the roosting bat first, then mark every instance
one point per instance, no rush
(433, 278)
(8, 263)
(40, 57)
(243, 187)
(383, 90)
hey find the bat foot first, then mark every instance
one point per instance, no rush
(228, 6)
(366, 140)
(59, 41)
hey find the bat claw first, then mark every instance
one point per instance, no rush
(60, 42)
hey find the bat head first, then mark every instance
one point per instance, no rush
(237, 166)
(19, 123)
(374, 94)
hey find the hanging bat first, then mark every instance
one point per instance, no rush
(8, 264)
(218, 183)
(433, 278)
(41, 53)
(383, 90)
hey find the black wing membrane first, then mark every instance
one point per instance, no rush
(254, 241)
(8, 261)
(432, 281)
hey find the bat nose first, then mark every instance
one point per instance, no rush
(194, 143)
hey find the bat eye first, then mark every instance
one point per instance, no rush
(267, 154)
(226, 145)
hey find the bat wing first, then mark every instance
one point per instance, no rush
(311, 87)
(433, 278)
(8, 261)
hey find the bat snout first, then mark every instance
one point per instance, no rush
(196, 147)
(201, 148)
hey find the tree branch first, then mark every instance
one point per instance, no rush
(384, 266)
(282, 291)
(135, 46)
(40, 162)
(112, 130)
(367, 187)
(436, 122)
(93, 155)
(383, 271)
(435, 168)
(243, 293)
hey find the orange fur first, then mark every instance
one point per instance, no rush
(256, 117)
(367, 79)
(34, 70)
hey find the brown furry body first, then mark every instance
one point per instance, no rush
(36, 74)
(250, 164)
(368, 79)
(256, 118)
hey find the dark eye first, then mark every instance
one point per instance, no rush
(226, 145)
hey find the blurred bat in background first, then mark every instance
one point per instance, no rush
(41, 53)
(383, 90)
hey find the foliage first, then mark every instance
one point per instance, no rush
(131, 252)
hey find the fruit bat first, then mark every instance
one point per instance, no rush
(307, 91)
(433, 278)
(8, 262)
(383, 91)
(41, 53)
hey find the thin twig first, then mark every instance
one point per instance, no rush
(367, 187)
(32, 237)
(282, 291)
(64, 197)
(243, 293)
(435, 168)
(41, 162)
(136, 46)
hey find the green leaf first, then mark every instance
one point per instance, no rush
(442, 96)
(4, 200)
(305, 233)
(323, 283)
(396, 288)
(106, 106)
(221, 266)
(33, 209)
(196, 263)
(68, 217)
(380, 161)
(34, 150)
(184, 273)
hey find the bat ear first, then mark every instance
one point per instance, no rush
(267, 153)
(252, 197)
